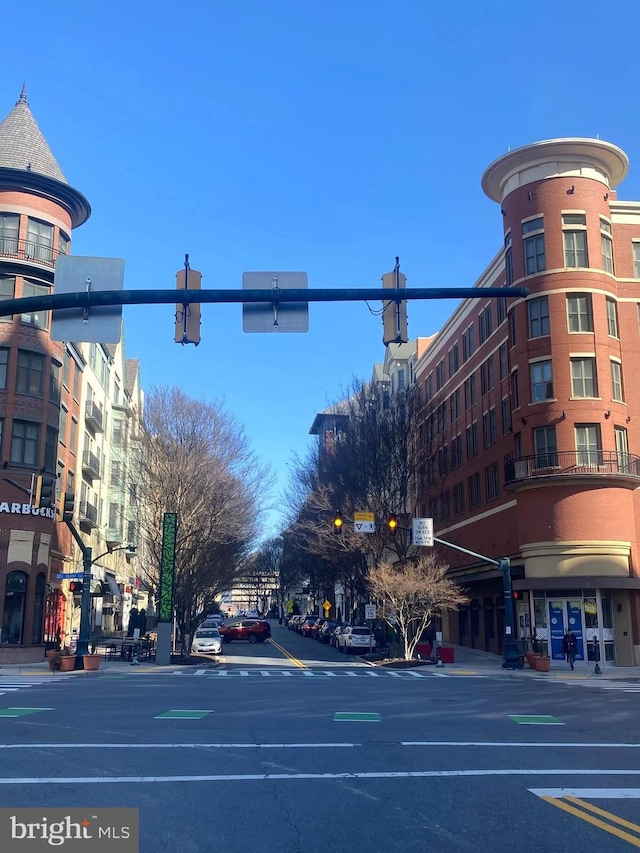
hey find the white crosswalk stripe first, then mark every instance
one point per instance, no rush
(11, 684)
(318, 674)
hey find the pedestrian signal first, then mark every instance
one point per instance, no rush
(75, 587)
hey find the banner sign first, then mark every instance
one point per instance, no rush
(167, 566)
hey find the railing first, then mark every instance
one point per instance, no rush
(94, 414)
(88, 513)
(571, 463)
(28, 250)
(91, 463)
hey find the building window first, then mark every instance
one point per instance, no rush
(39, 319)
(9, 229)
(7, 291)
(617, 391)
(468, 345)
(473, 488)
(534, 254)
(456, 451)
(24, 443)
(579, 312)
(501, 307)
(512, 329)
(544, 440)
(504, 361)
(612, 317)
(485, 324)
(440, 374)
(454, 406)
(506, 416)
(62, 425)
(458, 499)
(622, 448)
(588, 444)
(489, 428)
(63, 243)
(492, 481)
(636, 259)
(428, 388)
(607, 245)
(541, 381)
(515, 389)
(469, 392)
(29, 379)
(445, 506)
(487, 378)
(454, 359)
(73, 437)
(538, 313)
(39, 240)
(15, 597)
(574, 235)
(51, 449)
(54, 383)
(472, 440)
(583, 377)
(4, 365)
(508, 259)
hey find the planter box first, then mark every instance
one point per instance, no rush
(543, 664)
(67, 663)
(532, 658)
(91, 662)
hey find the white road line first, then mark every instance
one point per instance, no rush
(501, 744)
(277, 777)
(178, 745)
(589, 793)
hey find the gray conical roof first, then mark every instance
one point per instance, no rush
(22, 145)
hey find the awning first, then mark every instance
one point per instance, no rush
(113, 587)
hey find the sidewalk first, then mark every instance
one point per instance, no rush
(110, 667)
(478, 662)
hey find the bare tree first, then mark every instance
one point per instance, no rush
(410, 594)
(195, 461)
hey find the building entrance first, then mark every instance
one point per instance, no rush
(565, 613)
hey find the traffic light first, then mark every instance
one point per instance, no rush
(75, 587)
(44, 492)
(394, 314)
(68, 506)
(393, 524)
(337, 524)
(188, 314)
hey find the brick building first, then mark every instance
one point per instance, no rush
(531, 413)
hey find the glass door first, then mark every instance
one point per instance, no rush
(556, 627)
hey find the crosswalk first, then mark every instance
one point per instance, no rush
(318, 674)
(12, 683)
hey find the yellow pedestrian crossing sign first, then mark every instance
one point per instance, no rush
(289, 606)
(326, 606)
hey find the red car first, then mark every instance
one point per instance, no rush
(253, 630)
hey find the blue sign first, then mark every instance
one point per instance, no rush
(574, 616)
(556, 626)
(74, 576)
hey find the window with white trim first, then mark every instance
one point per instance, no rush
(574, 236)
(606, 240)
(541, 381)
(533, 245)
(583, 377)
(617, 390)
(612, 317)
(635, 246)
(588, 444)
(579, 312)
(538, 313)
(9, 229)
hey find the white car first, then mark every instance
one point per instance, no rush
(206, 641)
(356, 638)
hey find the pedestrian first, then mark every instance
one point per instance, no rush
(569, 647)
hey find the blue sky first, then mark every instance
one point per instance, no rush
(325, 136)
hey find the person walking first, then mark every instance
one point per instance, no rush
(570, 647)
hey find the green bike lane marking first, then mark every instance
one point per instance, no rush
(182, 714)
(21, 712)
(535, 720)
(354, 716)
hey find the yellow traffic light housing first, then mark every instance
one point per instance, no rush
(337, 524)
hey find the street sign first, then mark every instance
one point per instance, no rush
(269, 316)
(364, 522)
(72, 576)
(369, 611)
(422, 531)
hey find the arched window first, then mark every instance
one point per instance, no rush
(15, 594)
(38, 608)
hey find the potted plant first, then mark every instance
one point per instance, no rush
(91, 661)
(542, 663)
(53, 657)
(67, 660)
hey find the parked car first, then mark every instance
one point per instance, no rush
(253, 630)
(206, 641)
(213, 621)
(307, 624)
(324, 633)
(358, 638)
(333, 639)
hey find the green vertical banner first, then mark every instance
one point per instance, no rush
(167, 565)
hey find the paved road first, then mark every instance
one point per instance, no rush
(272, 761)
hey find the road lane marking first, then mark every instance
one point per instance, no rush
(535, 720)
(578, 808)
(277, 777)
(355, 716)
(183, 714)
(590, 793)
(501, 744)
(283, 651)
(178, 745)
(21, 712)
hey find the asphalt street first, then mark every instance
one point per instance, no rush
(291, 746)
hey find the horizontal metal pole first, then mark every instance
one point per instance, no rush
(96, 298)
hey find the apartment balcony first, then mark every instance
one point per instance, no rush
(91, 465)
(621, 469)
(26, 251)
(94, 416)
(88, 514)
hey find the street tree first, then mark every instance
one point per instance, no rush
(193, 459)
(410, 594)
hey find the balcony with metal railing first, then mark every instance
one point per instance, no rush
(624, 468)
(91, 465)
(88, 514)
(28, 251)
(94, 416)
